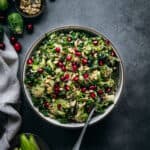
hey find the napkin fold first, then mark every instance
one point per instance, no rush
(10, 119)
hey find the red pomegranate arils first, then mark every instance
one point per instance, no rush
(83, 89)
(86, 75)
(92, 95)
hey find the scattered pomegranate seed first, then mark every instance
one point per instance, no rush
(29, 28)
(69, 57)
(113, 53)
(83, 89)
(63, 68)
(78, 53)
(57, 49)
(107, 42)
(56, 88)
(13, 40)
(100, 92)
(17, 46)
(95, 42)
(67, 87)
(92, 87)
(40, 70)
(2, 46)
(67, 76)
(60, 64)
(29, 61)
(46, 104)
(84, 61)
(59, 106)
(101, 63)
(86, 75)
(74, 67)
(76, 78)
(108, 90)
(69, 39)
(92, 95)
(62, 78)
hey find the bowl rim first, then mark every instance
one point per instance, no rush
(53, 121)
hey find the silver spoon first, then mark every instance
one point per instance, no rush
(79, 141)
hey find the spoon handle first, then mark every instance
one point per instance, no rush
(78, 143)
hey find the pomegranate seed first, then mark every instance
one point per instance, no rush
(69, 57)
(74, 67)
(69, 39)
(67, 87)
(107, 42)
(78, 53)
(29, 61)
(76, 78)
(95, 42)
(67, 76)
(13, 40)
(59, 106)
(63, 68)
(62, 78)
(108, 90)
(2, 46)
(17, 46)
(60, 64)
(56, 88)
(92, 95)
(40, 70)
(84, 61)
(83, 89)
(113, 54)
(86, 75)
(29, 27)
(100, 92)
(101, 63)
(46, 104)
(57, 49)
(92, 87)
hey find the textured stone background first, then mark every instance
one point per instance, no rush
(127, 24)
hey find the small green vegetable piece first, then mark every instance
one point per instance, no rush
(15, 23)
(28, 143)
(33, 143)
(1, 33)
(25, 144)
(3, 5)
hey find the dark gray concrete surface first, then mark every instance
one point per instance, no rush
(127, 24)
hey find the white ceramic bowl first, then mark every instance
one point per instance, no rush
(94, 119)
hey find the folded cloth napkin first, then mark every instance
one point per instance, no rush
(10, 119)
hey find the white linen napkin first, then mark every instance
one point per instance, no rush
(10, 119)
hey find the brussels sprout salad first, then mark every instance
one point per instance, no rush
(68, 72)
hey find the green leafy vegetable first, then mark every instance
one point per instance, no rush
(15, 22)
(27, 143)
